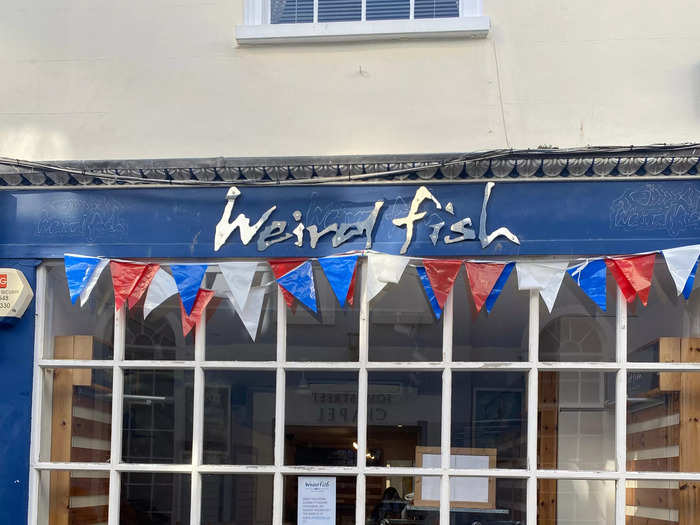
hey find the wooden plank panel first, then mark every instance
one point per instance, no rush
(654, 465)
(101, 405)
(669, 352)
(89, 486)
(91, 429)
(638, 520)
(89, 515)
(656, 498)
(670, 407)
(90, 455)
(689, 509)
(82, 349)
(655, 438)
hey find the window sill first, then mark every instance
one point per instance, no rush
(463, 27)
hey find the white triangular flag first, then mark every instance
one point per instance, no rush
(162, 287)
(250, 313)
(239, 277)
(680, 262)
(85, 294)
(543, 276)
(383, 269)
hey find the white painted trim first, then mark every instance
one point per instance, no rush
(200, 345)
(280, 396)
(446, 419)
(362, 393)
(470, 27)
(620, 404)
(117, 415)
(532, 404)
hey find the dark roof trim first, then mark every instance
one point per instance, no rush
(600, 162)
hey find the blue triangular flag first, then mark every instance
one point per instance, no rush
(188, 278)
(498, 287)
(79, 268)
(689, 283)
(425, 280)
(339, 271)
(300, 283)
(591, 277)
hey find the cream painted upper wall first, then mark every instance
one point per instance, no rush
(92, 79)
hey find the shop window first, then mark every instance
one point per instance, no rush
(489, 416)
(403, 416)
(239, 413)
(331, 334)
(79, 497)
(501, 335)
(155, 498)
(659, 501)
(159, 336)
(403, 326)
(239, 499)
(341, 506)
(321, 418)
(570, 501)
(487, 500)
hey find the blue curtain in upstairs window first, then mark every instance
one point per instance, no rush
(292, 11)
(339, 10)
(435, 8)
(388, 9)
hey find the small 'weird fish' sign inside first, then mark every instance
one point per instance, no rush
(275, 231)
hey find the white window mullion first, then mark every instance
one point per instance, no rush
(200, 344)
(446, 420)
(37, 394)
(411, 9)
(364, 10)
(280, 392)
(316, 11)
(621, 406)
(117, 416)
(532, 393)
(362, 388)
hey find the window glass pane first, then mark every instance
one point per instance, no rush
(663, 330)
(402, 324)
(291, 11)
(75, 332)
(501, 335)
(239, 413)
(77, 498)
(330, 335)
(344, 497)
(436, 8)
(393, 498)
(488, 414)
(339, 10)
(487, 500)
(321, 418)
(235, 499)
(568, 501)
(157, 416)
(577, 329)
(662, 415)
(78, 416)
(656, 501)
(151, 499)
(403, 416)
(159, 336)
(227, 336)
(576, 420)
(387, 9)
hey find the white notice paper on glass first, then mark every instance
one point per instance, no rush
(316, 501)
(474, 490)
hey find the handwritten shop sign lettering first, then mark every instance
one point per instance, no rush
(268, 232)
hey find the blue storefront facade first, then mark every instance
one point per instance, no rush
(490, 219)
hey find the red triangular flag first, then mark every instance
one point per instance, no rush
(482, 277)
(143, 283)
(350, 298)
(124, 278)
(282, 267)
(442, 274)
(633, 275)
(200, 303)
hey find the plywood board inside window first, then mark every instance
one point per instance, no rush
(465, 492)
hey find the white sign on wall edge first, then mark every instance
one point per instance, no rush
(15, 293)
(316, 501)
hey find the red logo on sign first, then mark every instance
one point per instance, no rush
(3, 280)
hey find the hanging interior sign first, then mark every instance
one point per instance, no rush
(15, 293)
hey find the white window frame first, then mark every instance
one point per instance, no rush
(257, 28)
(532, 367)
